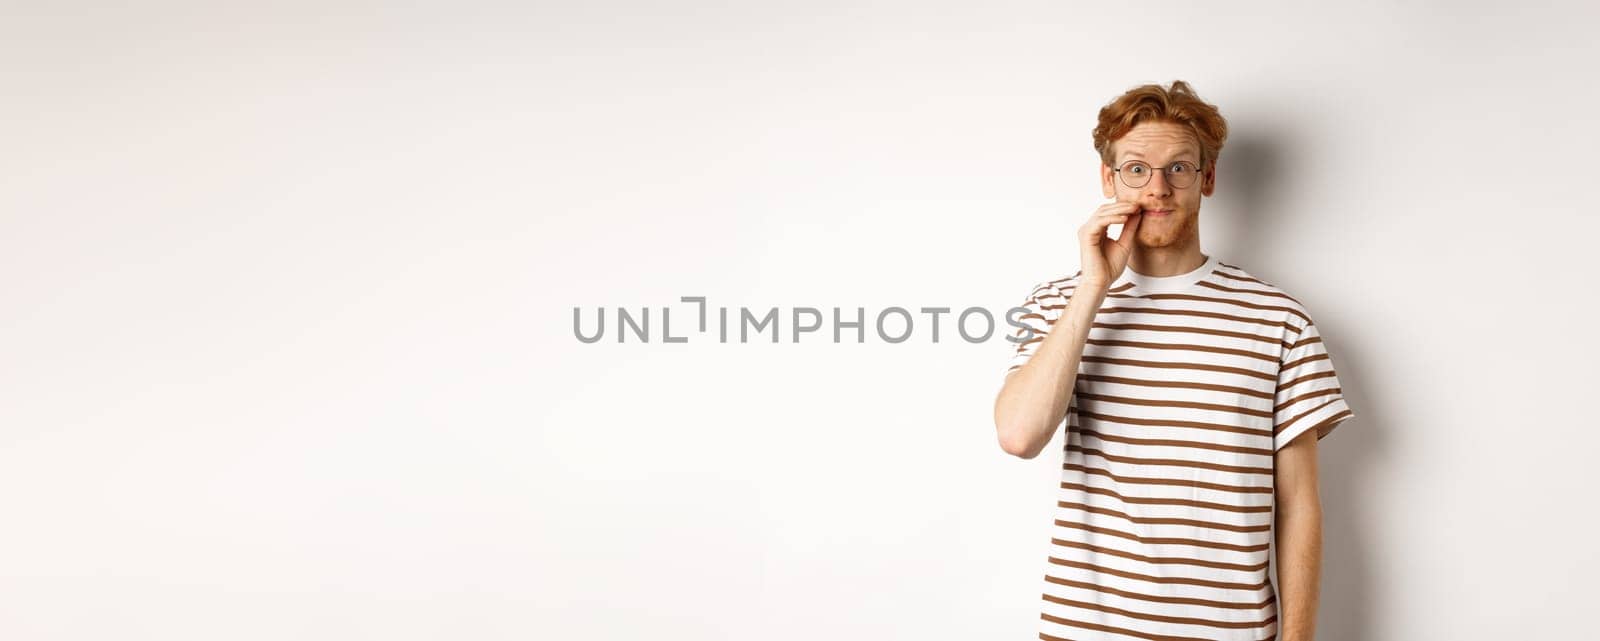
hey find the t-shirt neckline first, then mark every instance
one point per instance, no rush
(1166, 284)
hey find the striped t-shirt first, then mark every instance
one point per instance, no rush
(1187, 387)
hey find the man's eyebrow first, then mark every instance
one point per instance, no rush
(1181, 154)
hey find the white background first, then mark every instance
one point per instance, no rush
(286, 344)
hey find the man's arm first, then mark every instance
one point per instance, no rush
(1299, 537)
(1035, 397)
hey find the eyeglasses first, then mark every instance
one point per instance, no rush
(1180, 175)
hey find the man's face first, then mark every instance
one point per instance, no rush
(1159, 144)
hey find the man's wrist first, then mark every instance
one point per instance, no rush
(1084, 294)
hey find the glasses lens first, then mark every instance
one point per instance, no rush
(1135, 173)
(1181, 174)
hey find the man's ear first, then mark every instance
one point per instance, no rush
(1209, 183)
(1107, 187)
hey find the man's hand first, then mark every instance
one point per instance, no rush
(1103, 259)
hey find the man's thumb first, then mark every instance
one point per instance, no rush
(1129, 229)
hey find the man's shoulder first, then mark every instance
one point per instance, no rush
(1264, 290)
(1060, 286)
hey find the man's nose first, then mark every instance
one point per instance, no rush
(1158, 183)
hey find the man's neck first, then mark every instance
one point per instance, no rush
(1167, 261)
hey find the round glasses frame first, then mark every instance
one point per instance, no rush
(1184, 182)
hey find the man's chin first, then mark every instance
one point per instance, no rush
(1147, 242)
(1155, 237)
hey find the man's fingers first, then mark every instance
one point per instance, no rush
(1097, 228)
(1113, 214)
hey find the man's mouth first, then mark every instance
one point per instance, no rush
(1157, 212)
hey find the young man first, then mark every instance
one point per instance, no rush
(1193, 395)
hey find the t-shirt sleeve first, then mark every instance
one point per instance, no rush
(1308, 396)
(1039, 310)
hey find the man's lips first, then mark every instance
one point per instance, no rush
(1157, 212)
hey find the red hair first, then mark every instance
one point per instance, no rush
(1178, 105)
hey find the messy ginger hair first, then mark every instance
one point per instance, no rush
(1178, 105)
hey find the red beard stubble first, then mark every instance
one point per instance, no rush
(1167, 230)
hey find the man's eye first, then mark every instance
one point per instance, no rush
(1136, 169)
(1179, 168)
